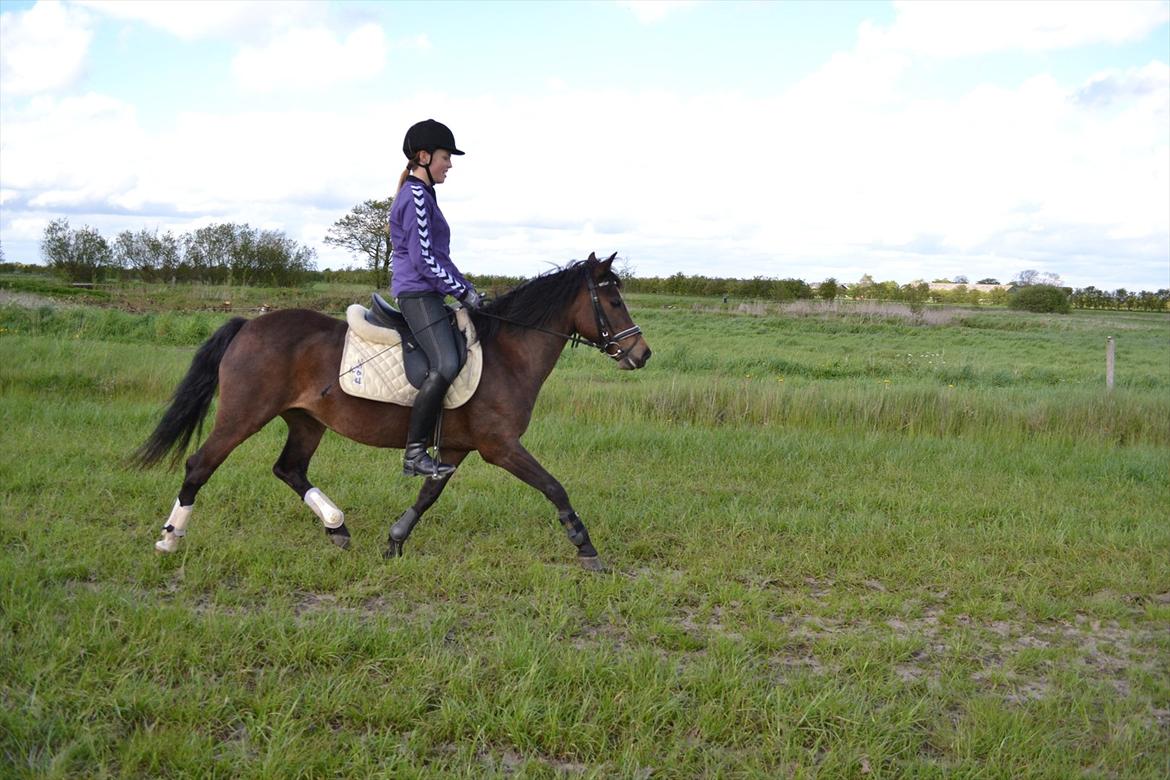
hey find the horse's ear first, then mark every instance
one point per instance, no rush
(603, 266)
(592, 257)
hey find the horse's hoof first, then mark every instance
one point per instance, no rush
(339, 536)
(394, 550)
(592, 563)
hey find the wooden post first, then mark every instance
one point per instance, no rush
(1110, 350)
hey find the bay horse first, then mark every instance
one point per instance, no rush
(286, 364)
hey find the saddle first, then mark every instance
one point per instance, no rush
(382, 315)
(381, 360)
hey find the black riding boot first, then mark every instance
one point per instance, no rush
(427, 406)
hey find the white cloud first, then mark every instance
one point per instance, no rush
(42, 49)
(965, 27)
(1114, 84)
(307, 58)
(651, 11)
(71, 151)
(26, 229)
(1024, 176)
(194, 19)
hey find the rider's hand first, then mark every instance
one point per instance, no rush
(473, 300)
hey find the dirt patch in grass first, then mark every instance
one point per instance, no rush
(509, 762)
(1016, 659)
(32, 300)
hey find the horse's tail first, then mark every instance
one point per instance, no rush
(184, 417)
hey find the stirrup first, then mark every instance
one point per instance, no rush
(423, 465)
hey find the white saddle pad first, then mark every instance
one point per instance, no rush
(372, 367)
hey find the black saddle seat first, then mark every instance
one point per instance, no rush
(382, 314)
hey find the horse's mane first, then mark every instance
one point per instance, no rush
(535, 302)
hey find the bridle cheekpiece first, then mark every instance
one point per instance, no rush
(607, 341)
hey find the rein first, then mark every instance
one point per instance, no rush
(607, 341)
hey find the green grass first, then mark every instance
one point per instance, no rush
(828, 561)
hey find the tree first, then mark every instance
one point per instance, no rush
(915, 293)
(863, 288)
(274, 258)
(1029, 277)
(829, 289)
(1040, 298)
(207, 253)
(147, 254)
(365, 230)
(988, 280)
(79, 255)
(625, 269)
(962, 279)
(790, 289)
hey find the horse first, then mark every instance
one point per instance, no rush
(286, 363)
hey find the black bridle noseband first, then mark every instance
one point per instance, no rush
(607, 341)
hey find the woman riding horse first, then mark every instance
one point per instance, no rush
(286, 363)
(422, 275)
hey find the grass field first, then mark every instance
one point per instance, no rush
(850, 542)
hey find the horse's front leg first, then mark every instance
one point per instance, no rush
(513, 458)
(427, 495)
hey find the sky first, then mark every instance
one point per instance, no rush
(904, 140)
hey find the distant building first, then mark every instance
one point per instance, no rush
(983, 288)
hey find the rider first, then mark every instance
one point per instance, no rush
(422, 275)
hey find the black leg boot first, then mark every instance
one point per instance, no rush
(427, 405)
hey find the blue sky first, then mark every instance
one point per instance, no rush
(901, 140)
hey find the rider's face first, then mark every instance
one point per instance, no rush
(439, 164)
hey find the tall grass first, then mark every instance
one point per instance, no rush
(1076, 414)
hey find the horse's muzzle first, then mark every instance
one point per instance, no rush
(634, 361)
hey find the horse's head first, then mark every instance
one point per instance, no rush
(600, 316)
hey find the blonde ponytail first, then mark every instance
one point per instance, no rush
(410, 166)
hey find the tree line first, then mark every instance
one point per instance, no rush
(1120, 299)
(230, 253)
(914, 293)
(224, 253)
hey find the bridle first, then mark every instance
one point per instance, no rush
(607, 341)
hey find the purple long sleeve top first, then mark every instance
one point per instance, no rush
(421, 260)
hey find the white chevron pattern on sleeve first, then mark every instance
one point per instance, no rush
(424, 242)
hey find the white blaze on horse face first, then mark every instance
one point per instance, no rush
(177, 523)
(331, 516)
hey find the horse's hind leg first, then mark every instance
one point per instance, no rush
(225, 437)
(292, 467)
(427, 495)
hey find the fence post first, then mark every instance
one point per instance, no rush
(1110, 350)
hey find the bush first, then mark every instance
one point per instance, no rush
(1040, 298)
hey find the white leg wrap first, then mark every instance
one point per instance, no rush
(331, 516)
(175, 528)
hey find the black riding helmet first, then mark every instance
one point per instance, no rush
(427, 136)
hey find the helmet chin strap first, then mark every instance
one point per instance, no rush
(427, 168)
